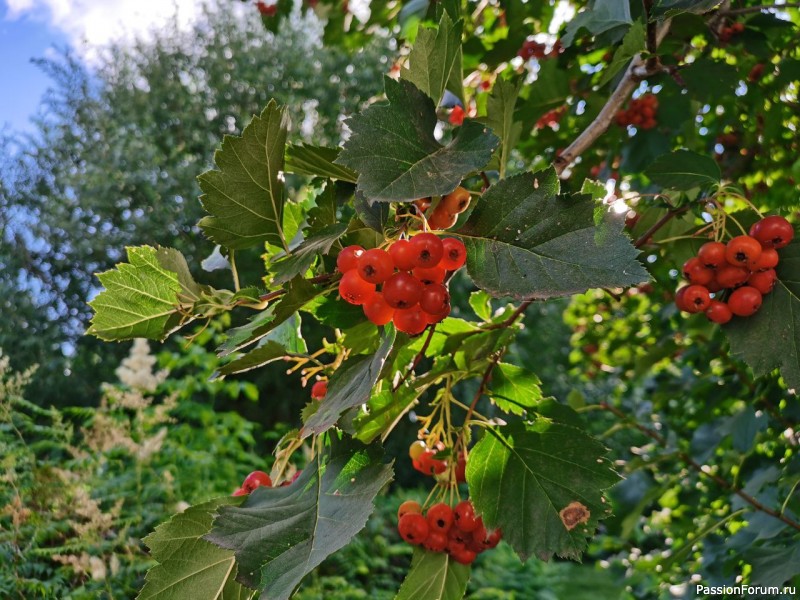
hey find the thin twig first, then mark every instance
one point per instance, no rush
(751, 9)
(416, 360)
(654, 435)
(652, 41)
(606, 115)
(510, 320)
(645, 237)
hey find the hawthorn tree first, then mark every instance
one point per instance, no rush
(519, 155)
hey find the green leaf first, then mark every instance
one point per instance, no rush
(773, 565)
(434, 576)
(671, 8)
(525, 241)
(684, 170)
(768, 340)
(372, 215)
(316, 161)
(481, 303)
(521, 478)
(603, 16)
(709, 79)
(435, 57)
(301, 258)
(514, 389)
(141, 297)
(393, 148)
(633, 43)
(191, 568)
(500, 117)
(551, 89)
(244, 198)
(351, 385)
(281, 534)
(299, 293)
(285, 338)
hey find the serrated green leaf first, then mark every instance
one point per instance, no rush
(633, 43)
(525, 241)
(393, 148)
(521, 478)
(301, 258)
(500, 108)
(434, 57)
(383, 410)
(514, 389)
(244, 198)
(316, 161)
(191, 568)
(684, 170)
(671, 8)
(709, 79)
(351, 385)
(141, 297)
(770, 339)
(299, 293)
(285, 338)
(603, 16)
(481, 303)
(434, 576)
(281, 534)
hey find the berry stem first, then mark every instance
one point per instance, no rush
(645, 237)
(417, 358)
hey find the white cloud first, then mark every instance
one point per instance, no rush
(91, 24)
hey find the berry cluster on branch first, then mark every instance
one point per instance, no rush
(641, 113)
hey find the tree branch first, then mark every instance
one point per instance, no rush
(652, 35)
(633, 75)
(752, 9)
(654, 435)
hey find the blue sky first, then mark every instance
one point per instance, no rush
(23, 82)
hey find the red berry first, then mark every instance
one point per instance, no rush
(402, 290)
(410, 320)
(464, 516)
(455, 254)
(440, 517)
(454, 546)
(442, 219)
(256, 479)
(465, 556)
(434, 318)
(718, 312)
(696, 273)
(730, 276)
(354, 289)
(745, 301)
(409, 507)
(696, 298)
(428, 249)
(402, 254)
(436, 541)
(456, 201)
(428, 275)
(712, 255)
(456, 115)
(461, 469)
(763, 281)
(768, 260)
(377, 310)
(413, 528)
(239, 492)
(430, 465)
(348, 258)
(680, 299)
(742, 249)
(319, 390)
(773, 232)
(375, 266)
(435, 299)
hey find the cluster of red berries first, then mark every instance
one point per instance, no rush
(745, 266)
(457, 531)
(412, 276)
(532, 49)
(727, 32)
(640, 113)
(252, 481)
(424, 460)
(551, 117)
(267, 10)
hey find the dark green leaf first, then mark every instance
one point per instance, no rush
(281, 534)
(500, 117)
(434, 576)
(191, 568)
(604, 15)
(768, 340)
(372, 215)
(435, 57)
(684, 170)
(316, 161)
(709, 79)
(521, 479)
(393, 148)
(301, 258)
(773, 565)
(525, 241)
(244, 198)
(670, 8)
(351, 385)
(632, 44)
(285, 338)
